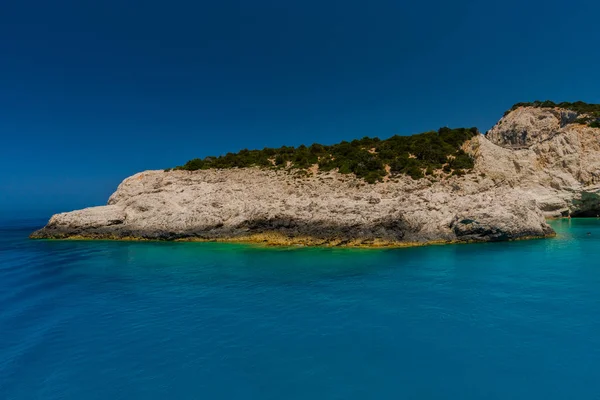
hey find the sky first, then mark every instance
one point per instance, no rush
(94, 91)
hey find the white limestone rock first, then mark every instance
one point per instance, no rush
(534, 163)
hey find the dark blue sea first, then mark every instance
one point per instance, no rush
(123, 320)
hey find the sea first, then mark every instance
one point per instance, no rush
(131, 320)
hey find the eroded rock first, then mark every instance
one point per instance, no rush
(534, 163)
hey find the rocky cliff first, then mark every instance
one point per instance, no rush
(535, 163)
(545, 153)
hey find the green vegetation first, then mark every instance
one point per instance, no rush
(591, 112)
(367, 158)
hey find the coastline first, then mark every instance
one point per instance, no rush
(510, 193)
(281, 241)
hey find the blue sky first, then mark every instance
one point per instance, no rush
(91, 92)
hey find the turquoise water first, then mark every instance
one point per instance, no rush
(109, 320)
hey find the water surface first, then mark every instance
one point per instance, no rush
(122, 320)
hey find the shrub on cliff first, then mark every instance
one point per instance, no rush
(367, 158)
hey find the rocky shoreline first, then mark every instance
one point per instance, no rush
(534, 164)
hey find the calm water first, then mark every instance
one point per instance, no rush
(107, 320)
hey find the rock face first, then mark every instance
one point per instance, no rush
(327, 209)
(534, 163)
(526, 126)
(544, 153)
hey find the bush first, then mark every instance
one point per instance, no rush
(280, 159)
(366, 158)
(193, 165)
(462, 161)
(373, 177)
(414, 172)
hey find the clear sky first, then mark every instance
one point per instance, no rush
(94, 91)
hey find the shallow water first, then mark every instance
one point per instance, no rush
(122, 320)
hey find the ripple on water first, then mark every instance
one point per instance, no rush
(96, 320)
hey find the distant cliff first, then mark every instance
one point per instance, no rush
(536, 162)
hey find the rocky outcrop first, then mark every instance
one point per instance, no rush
(526, 126)
(534, 163)
(330, 208)
(544, 153)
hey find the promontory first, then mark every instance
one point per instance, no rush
(540, 161)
